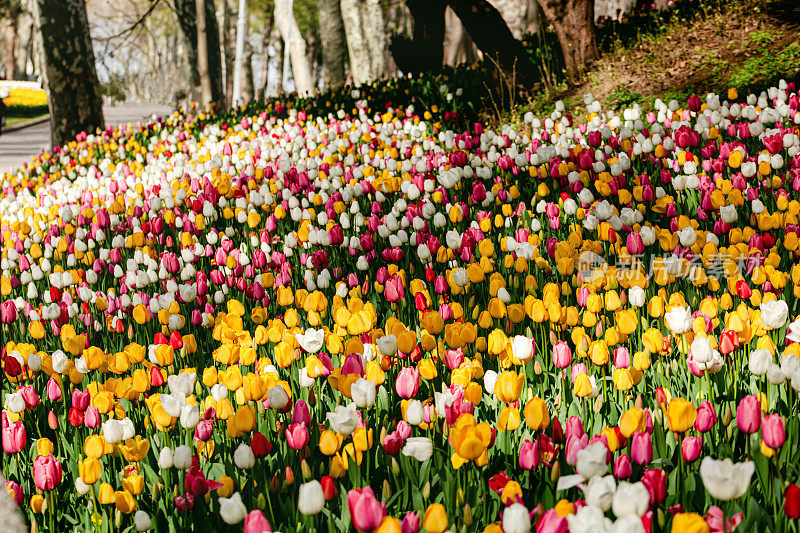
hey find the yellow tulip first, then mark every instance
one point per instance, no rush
(681, 415)
(435, 520)
(90, 470)
(508, 386)
(537, 416)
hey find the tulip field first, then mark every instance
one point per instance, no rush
(368, 311)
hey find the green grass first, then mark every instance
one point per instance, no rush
(767, 65)
(12, 121)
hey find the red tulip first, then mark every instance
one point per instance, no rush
(791, 501)
(329, 487)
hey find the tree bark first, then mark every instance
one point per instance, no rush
(10, 44)
(69, 73)
(492, 36)
(372, 19)
(360, 63)
(458, 45)
(209, 62)
(334, 47)
(228, 48)
(185, 12)
(424, 52)
(573, 21)
(287, 25)
(513, 13)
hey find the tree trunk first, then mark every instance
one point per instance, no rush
(492, 37)
(334, 47)
(228, 48)
(185, 12)
(458, 45)
(360, 64)
(573, 21)
(209, 62)
(287, 25)
(10, 44)
(70, 79)
(372, 19)
(513, 13)
(248, 83)
(425, 51)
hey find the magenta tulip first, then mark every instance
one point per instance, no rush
(773, 431)
(748, 414)
(691, 447)
(641, 448)
(366, 511)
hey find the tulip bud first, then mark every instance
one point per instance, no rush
(459, 496)
(262, 501)
(557, 402)
(395, 467)
(555, 472)
(117, 518)
(598, 404)
(638, 402)
(274, 483)
(289, 478)
(383, 434)
(537, 368)
(52, 420)
(426, 490)
(312, 398)
(305, 469)
(387, 490)
(467, 515)
(727, 417)
(156, 490)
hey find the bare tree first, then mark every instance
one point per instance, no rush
(198, 22)
(573, 21)
(334, 47)
(287, 26)
(9, 22)
(70, 78)
(458, 45)
(424, 52)
(357, 46)
(372, 19)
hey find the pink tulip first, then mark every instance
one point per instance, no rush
(80, 399)
(706, 417)
(14, 437)
(394, 290)
(748, 414)
(622, 467)
(574, 427)
(562, 354)
(8, 312)
(301, 413)
(46, 472)
(53, 390)
(297, 436)
(91, 418)
(184, 502)
(551, 522)
(715, 516)
(634, 244)
(622, 357)
(454, 358)
(407, 383)
(30, 397)
(773, 431)
(529, 455)
(15, 491)
(410, 523)
(573, 446)
(256, 522)
(366, 511)
(691, 447)
(641, 448)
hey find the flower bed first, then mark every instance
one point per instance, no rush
(339, 314)
(24, 102)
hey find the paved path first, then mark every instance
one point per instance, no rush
(17, 147)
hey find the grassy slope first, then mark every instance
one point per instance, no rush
(745, 44)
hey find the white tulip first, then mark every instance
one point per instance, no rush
(311, 341)
(278, 399)
(516, 519)
(591, 461)
(420, 448)
(182, 457)
(600, 491)
(630, 499)
(726, 480)
(311, 500)
(588, 519)
(344, 419)
(243, 457)
(165, 458)
(142, 521)
(759, 362)
(679, 320)
(363, 392)
(232, 510)
(774, 313)
(112, 431)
